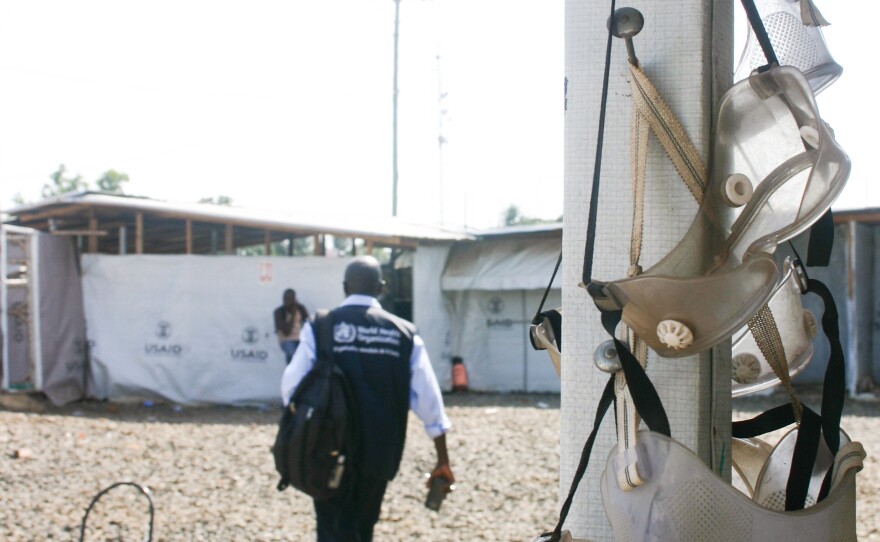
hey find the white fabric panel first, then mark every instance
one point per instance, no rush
(62, 323)
(196, 329)
(430, 311)
(489, 331)
(502, 264)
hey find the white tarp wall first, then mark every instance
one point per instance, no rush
(430, 311)
(492, 289)
(196, 329)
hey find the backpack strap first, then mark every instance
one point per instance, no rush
(323, 330)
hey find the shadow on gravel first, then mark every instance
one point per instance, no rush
(156, 411)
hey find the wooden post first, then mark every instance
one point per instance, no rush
(139, 233)
(93, 238)
(228, 245)
(689, 59)
(319, 244)
(123, 240)
(189, 236)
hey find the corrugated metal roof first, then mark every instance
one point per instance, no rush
(522, 229)
(866, 215)
(347, 226)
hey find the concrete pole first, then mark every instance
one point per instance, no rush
(686, 50)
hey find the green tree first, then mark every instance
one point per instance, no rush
(513, 217)
(343, 245)
(219, 200)
(63, 184)
(111, 181)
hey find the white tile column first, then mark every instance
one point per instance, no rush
(685, 48)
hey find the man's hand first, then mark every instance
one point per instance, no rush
(442, 471)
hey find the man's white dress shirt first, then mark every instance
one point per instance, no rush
(425, 399)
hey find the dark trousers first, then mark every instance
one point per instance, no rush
(351, 519)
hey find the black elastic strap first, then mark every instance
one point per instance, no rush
(802, 460)
(821, 241)
(537, 318)
(604, 402)
(812, 425)
(608, 394)
(834, 385)
(760, 33)
(644, 394)
(589, 246)
(555, 319)
(771, 420)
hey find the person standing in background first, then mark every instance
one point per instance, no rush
(289, 318)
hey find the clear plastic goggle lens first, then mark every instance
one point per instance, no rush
(797, 326)
(777, 170)
(795, 44)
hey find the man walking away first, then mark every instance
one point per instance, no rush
(390, 373)
(289, 319)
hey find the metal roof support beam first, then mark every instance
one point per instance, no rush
(139, 233)
(189, 236)
(93, 227)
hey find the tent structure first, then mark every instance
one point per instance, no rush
(177, 297)
(489, 290)
(177, 301)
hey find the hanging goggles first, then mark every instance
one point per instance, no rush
(793, 27)
(777, 170)
(761, 360)
(683, 500)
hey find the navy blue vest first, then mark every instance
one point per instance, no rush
(373, 348)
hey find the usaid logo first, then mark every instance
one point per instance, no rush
(163, 349)
(163, 330)
(495, 305)
(344, 332)
(250, 335)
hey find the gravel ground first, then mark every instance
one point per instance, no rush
(211, 474)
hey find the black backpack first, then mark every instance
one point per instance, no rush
(316, 443)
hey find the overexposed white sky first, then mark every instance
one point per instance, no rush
(288, 104)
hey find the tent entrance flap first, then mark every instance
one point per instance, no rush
(492, 289)
(510, 264)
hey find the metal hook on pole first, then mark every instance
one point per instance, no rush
(626, 23)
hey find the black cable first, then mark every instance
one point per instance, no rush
(760, 33)
(144, 491)
(587, 275)
(537, 318)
